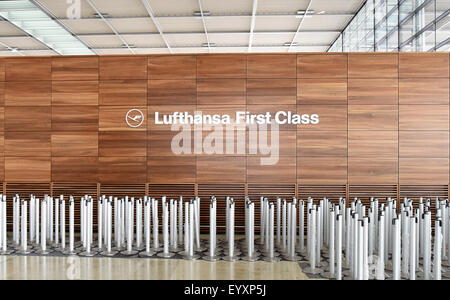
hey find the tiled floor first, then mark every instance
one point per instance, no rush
(48, 268)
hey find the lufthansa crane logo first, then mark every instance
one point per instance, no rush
(134, 118)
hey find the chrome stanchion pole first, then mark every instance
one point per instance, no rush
(88, 228)
(251, 254)
(186, 229)
(278, 221)
(301, 226)
(56, 222)
(44, 211)
(261, 220)
(427, 246)
(24, 246)
(139, 224)
(271, 253)
(171, 223)
(180, 220)
(147, 228)
(16, 222)
(212, 231)
(108, 222)
(155, 224)
(437, 274)
(339, 229)
(166, 253)
(100, 217)
(231, 256)
(72, 226)
(130, 228)
(62, 223)
(32, 221)
(313, 234)
(381, 247)
(396, 250)
(412, 250)
(331, 272)
(4, 226)
(37, 217)
(284, 223)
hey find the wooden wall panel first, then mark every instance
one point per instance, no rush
(271, 66)
(2, 93)
(74, 93)
(123, 67)
(372, 91)
(271, 91)
(28, 144)
(28, 93)
(27, 169)
(424, 144)
(75, 68)
(420, 65)
(172, 67)
(287, 142)
(321, 170)
(424, 171)
(223, 109)
(177, 170)
(75, 143)
(373, 143)
(424, 91)
(283, 171)
(374, 65)
(122, 170)
(331, 117)
(222, 66)
(166, 110)
(322, 91)
(372, 170)
(273, 109)
(121, 143)
(221, 91)
(424, 117)
(165, 92)
(75, 118)
(221, 169)
(218, 141)
(159, 143)
(322, 66)
(2, 69)
(112, 118)
(29, 118)
(322, 143)
(28, 69)
(373, 117)
(82, 169)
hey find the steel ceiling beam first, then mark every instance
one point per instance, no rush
(300, 24)
(252, 25)
(155, 21)
(204, 24)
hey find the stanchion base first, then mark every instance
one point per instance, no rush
(233, 258)
(347, 273)
(42, 252)
(315, 271)
(328, 275)
(210, 258)
(271, 259)
(292, 258)
(147, 254)
(199, 249)
(446, 275)
(129, 253)
(165, 255)
(68, 252)
(87, 254)
(193, 257)
(27, 251)
(250, 258)
(6, 252)
(106, 253)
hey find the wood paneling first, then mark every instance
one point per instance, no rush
(2, 69)
(75, 118)
(331, 117)
(322, 143)
(123, 67)
(75, 93)
(166, 110)
(27, 169)
(322, 170)
(2, 143)
(120, 143)
(28, 69)
(28, 93)
(372, 170)
(221, 91)
(223, 110)
(222, 66)
(372, 91)
(76, 143)
(159, 143)
(123, 92)
(271, 91)
(2, 118)
(122, 170)
(75, 68)
(271, 66)
(223, 169)
(424, 65)
(217, 141)
(322, 91)
(74, 169)
(424, 91)
(424, 171)
(424, 117)
(166, 92)
(112, 118)
(172, 67)
(27, 144)
(373, 65)
(177, 170)
(269, 171)
(28, 118)
(322, 66)
(372, 117)
(273, 109)
(424, 144)
(2, 93)
(286, 142)
(373, 143)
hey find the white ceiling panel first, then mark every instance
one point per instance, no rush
(7, 29)
(133, 25)
(87, 26)
(282, 6)
(309, 49)
(325, 23)
(177, 40)
(144, 40)
(228, 24)
(152, 51)
(190, 50)
(229, 50)
(228, 6)
(9, 53)
(272, 39)
(256, 49)
(315, 37)
(174, 7)
(102, 41)
(62, 10)
(120, 8)
(112, 51)
(181, 24)
(276, 23)
(22, 42)
(334, 6)
(229, 39)
(39, 52)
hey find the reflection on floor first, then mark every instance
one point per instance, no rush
(52, 268)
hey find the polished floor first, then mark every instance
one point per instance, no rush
(80, 268)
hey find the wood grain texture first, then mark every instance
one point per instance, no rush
(372, 170)
(224, 169)
(166, 110)
(322, 91)
(424, 171)
(373, 143)
(123, 67)
(419, 65)
(28, 169)
(260, 141)
(82, 169)
(177, 170)
(2, 144)
(2, 168)
(25, 144)
(2, 93)
(424, 144)
(216, 141)
(375, 65)
(159, 143)
(112, 118)
(322, 66)
(75, 68)
(172, 92)
(75, 143)
(172, 67)
(221, 91)
(122, 170)
(263, 171)
(322, 143)
(372, 117)
(331, 117)
(28, 118)
(28, 69)
(222, 66)
(28, 93)
(75, 93)
(120, 143)
(271, 66)
(372, 91)
(271, 91)
(123, 92)
(2, 69)
(2, 118)
(424, 117)
(223, 110)
(273, 109)
(75, 118)
(424, 91)
(321, 170)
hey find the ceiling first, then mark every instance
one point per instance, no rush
(188, 26)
